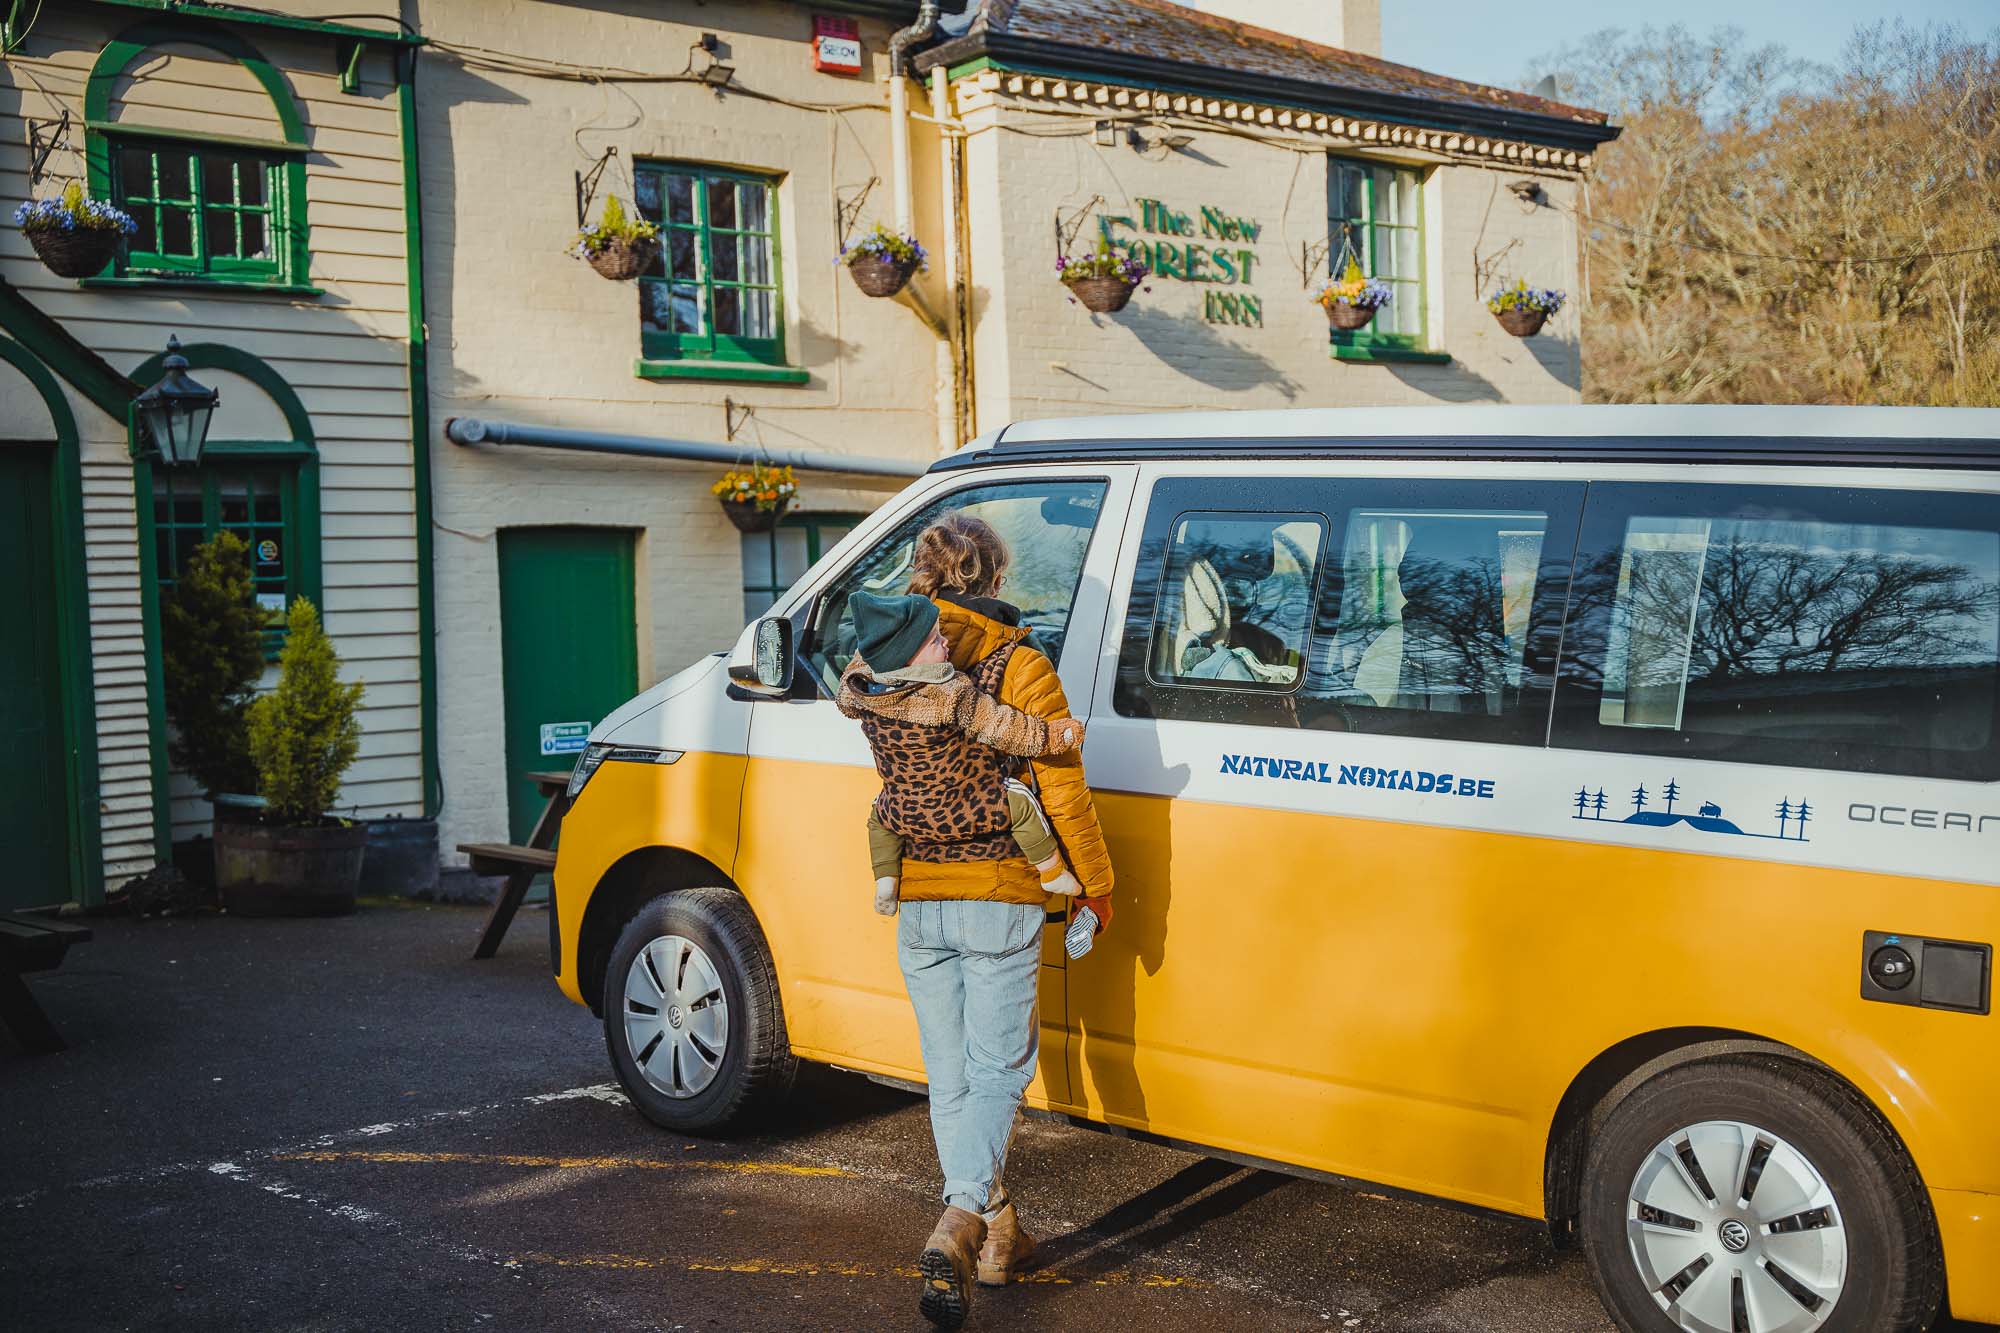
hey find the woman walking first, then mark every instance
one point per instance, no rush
(969, 940)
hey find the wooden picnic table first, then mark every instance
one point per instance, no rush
(32, 944)
(519, 863)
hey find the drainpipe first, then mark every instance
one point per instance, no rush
(472, 430)
(951, 148)
(899, 107)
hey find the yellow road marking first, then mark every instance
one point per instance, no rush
(812, 1268)
(584, 1163)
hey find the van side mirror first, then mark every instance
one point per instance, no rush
(774, 653)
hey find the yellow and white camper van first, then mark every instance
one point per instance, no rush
(1589, 814)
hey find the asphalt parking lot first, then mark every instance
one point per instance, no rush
(348, 1124)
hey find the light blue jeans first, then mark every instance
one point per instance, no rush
(971, 971)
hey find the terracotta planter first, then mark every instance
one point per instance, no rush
(621, 260)
(1102, 296)
(1523, 322)
(75, 254)
(879, 275)
(749, 518)
(1350, 317)
(261, 870)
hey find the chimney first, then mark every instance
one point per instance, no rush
(1351, 25)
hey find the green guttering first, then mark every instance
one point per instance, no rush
(420, 432)
(264, 19)
(1025, 55)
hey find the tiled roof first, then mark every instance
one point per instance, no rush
(1181, 47)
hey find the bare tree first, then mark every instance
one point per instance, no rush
(1769, 231)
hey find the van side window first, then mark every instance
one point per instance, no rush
(1047, 527)
(1235, 604)
(1841, 629)
(1416, 608)
(1436, 612)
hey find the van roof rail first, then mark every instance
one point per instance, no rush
(1965, 438)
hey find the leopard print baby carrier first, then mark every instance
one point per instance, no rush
(941, 790)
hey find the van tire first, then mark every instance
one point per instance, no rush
(1894, 1276)
(757, 1065)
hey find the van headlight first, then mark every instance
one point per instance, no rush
(597, 753)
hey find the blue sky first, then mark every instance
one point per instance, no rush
(1493, 43)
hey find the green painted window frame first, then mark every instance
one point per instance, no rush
(294, 472)
(1374, 247)
(108, 144)
(661, 345)
(815, 547)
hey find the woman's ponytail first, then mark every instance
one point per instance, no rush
(960, 554)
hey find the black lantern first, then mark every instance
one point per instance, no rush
(176, 411)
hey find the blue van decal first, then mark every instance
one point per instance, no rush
(1357, 775)
(1792, 815)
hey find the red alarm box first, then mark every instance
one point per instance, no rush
(836, 45)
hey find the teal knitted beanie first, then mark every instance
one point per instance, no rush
(889, 631)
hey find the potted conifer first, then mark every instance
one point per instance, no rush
(300, 860)
(212, 646)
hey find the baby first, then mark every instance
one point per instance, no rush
(920, 715)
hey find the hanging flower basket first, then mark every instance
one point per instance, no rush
(882, 261)
(1343, 316)
(74, 237)
(749, 518)
(619, 247)
(623, 260)
(1351, 300)
(1523, 323)
(1522, 310)
(1102, 296)
(756, 497)
(1101, 282)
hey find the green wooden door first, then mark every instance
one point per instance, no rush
(34, 798)
(569, 649)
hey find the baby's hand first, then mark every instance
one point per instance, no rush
(1065, 733)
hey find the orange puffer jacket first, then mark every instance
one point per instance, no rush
(1031, 686)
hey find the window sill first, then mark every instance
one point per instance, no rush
(190, 282)
(738, 372)
(1408, 355)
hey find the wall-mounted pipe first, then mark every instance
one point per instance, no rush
(472, 430)
(899, 110)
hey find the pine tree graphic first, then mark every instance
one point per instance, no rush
(1597, 803)
(1582, 801)
(1672, 793)
(1799, 817)
(1784, 815)
(1639, 798)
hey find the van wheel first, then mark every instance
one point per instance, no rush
(1754, 1195)
(691, 1012)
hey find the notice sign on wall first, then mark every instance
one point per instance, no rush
(1209, 245)
(836, 45)
(565, 737)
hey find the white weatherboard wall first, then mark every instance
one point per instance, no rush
(1039, 355)
(523, 332)
(343, 353)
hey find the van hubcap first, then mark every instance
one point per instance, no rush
(1733, 1230)
(676, 1017)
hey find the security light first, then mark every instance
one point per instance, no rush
(1176, 142)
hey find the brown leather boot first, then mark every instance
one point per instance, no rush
(950, 1258)
(1007, 1249)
